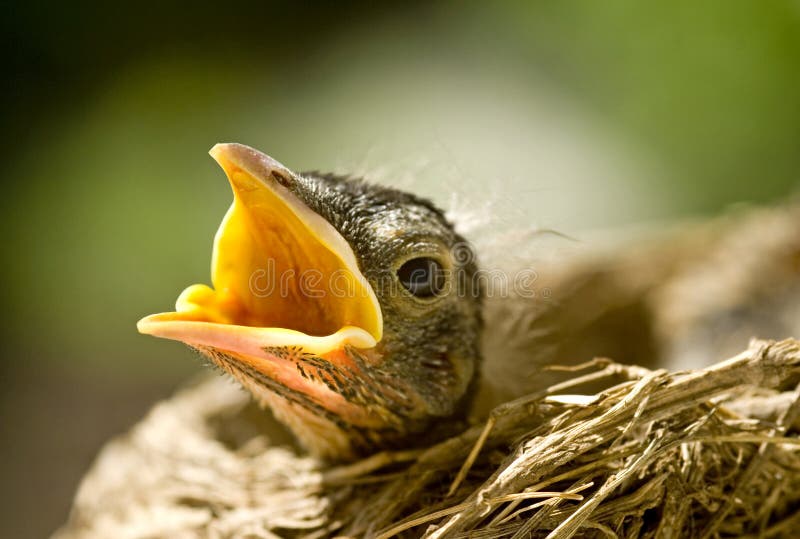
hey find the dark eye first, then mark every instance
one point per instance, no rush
(423, 277)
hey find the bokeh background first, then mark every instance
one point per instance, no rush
(576, 116)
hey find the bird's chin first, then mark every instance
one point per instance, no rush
(289, 311)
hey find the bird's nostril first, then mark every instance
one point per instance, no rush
(281, 179)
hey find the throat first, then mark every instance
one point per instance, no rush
(323, 436)
(343, 425)
(339, 408)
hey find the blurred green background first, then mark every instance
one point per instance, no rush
(572, 115)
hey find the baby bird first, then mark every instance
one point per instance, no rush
(351, 310)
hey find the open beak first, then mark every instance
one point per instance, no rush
(285, 283)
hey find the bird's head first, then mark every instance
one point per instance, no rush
(350, 309)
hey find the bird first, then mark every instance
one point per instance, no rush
(351, 310)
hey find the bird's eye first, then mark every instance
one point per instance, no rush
(423, 277)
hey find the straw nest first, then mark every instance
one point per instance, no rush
(612, 450)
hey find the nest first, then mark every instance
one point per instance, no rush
(659, 455)
(707, 453)
(612, 450)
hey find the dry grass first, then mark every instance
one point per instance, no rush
(659, 455)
